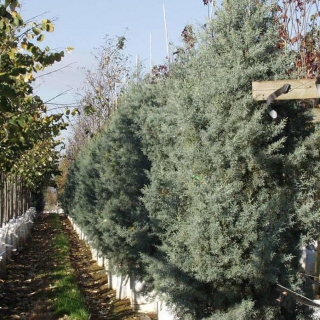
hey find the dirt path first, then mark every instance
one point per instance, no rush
(27, 296)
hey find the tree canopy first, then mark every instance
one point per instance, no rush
(28, 132)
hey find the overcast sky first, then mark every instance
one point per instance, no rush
(84, 24)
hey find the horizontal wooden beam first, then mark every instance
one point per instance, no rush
(300, 89)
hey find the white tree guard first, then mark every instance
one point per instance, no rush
(125, 286)
(13, 233)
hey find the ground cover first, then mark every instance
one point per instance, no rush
(52, 276)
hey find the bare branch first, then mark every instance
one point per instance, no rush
(59, 95)
(54, 71)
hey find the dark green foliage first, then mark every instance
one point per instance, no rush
(37, 200)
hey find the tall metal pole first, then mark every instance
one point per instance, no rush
(137, 68)
(166, 32)
(150, 52)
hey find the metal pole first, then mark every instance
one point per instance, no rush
(166, 32)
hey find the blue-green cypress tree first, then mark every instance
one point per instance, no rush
(68, 195)
(83, 189)
(124, 223)
(90, 191)
(227, 196)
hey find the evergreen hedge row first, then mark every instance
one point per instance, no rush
(193, 188)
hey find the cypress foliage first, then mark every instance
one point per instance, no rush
(225, 195)
(83, 189)
(89, 189)
(196, 189)
(124, 223)
(103, 190)
(67, 197)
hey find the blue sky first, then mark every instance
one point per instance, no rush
(84, 24)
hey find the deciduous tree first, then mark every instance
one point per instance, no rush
(24, 121)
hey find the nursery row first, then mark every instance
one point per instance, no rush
(194, 190)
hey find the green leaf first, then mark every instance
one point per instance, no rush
(17, 19)
(57, 57)
(13, 121)
(12, 54)
(21, 122)
(36, 31)
(22, 139)
(47, 25)
(28, 77)
(3, 25)
(5, 133)
(40, 38)
(75, 111)
(24, 45)
(8, 28)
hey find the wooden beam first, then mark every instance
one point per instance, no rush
(300, 89)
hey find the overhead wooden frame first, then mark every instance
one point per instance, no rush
(301, 89)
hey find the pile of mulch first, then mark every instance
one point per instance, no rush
(26, 296)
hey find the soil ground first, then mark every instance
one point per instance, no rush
(26, 296)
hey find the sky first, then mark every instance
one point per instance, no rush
(84, 25)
